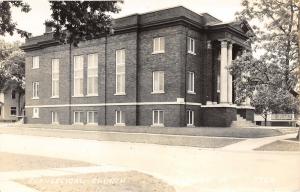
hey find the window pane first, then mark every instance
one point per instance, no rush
(123, 83)
(155, 81)
(161, 81)
(35, 62)
(123, 117)
(118, 116)
(95, 85)
(90, 117)
(155, 44)
(162, 44)
(120, 71)
(118, 83)
(81, 117)
(155, 118)
(95, 120)
(161, 117)
(78, 75)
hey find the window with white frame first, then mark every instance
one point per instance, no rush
(35, 62)
(92, 117)
(13, 111)
(78, 117)
(55, 77)
(120, 71)
(54, 115)
(120, 118)
(191, 45)
(159, 45)
(191, 82)
(13, 94)
(78, 75)
(92, 75)
(158, 81)
(190, 117)
(35, 113)
(158, 118)
(35, 90)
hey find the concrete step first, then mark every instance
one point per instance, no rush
(241, 122)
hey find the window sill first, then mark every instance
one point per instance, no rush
(161, 92)
(190, 92)
(54, 97)
(35, 98)
(119, 124)
(190, 125)
(192, 53)
(158, 52)
(35, 68)
(35, 117)
(120, 94)
(78, 96)
(92, 95)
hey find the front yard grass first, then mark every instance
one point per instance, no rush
(131, 181)
(18, 162)
(282, 145)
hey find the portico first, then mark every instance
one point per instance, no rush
(226, 42)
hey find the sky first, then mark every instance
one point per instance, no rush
(33, 21)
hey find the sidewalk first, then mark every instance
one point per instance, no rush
(188, 169)
(251, 144)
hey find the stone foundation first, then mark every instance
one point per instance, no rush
(218, 116)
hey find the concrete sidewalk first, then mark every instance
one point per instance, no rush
(188, 169)
(251, 144)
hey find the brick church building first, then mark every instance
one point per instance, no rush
(162, 68)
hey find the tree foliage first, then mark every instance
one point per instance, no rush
(278, 42)
(12, 67)
(267, 99)
(74, 21)
(7, 26)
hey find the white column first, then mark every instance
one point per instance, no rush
(248, 101)
(229, 76)
(223, 73)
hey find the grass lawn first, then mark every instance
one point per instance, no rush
(282, 145)
(131, 181)
(18, 162)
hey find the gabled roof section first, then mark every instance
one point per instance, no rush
(209, 19)
(241, 27)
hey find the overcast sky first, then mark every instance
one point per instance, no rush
(33, 21)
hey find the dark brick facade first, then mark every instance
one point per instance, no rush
(135, 34)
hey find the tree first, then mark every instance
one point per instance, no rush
(6, 23)
(74, 21)
(267, 100)
(278, 42)
(12, 69)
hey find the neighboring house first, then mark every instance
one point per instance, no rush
(11, 105)
(277, 120)
(163, 68)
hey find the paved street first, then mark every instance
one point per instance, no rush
(188, 169)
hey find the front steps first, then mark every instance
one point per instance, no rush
(241, 122)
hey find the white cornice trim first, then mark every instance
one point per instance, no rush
(113, 104)
(220, 105)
